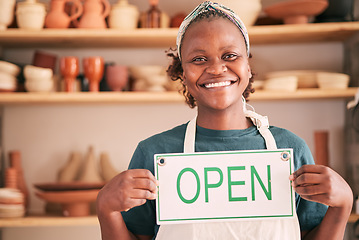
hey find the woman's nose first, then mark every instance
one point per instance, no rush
(216, 68)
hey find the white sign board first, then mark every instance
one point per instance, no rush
(213, 186)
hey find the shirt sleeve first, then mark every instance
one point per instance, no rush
(310, 214)
(141, 220)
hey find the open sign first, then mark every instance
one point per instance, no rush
(235, 185)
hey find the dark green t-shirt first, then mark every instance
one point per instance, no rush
(142, 220)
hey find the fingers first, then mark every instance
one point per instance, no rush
(308, 169)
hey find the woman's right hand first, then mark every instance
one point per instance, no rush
(128, 189)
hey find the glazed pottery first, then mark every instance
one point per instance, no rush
(89, 170)
(296, 11)
(15, 162)
(6, 13)
(123, 16)
(94, 14)
(58, 18)
(11, 203)
(45, 60)
(74, 203)
(337, 11)
(116, 77)
(9, 68)
(69, 67)
(152, 18)
(69, 172)
(8, 83)
(33, 72)
(30, 15)
(321, 140)
(108, 171)
(248, 11)
(93, 70)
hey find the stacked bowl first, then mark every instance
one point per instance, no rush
(8, 74)
(38, 79)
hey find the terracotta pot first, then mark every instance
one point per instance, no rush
(45, 60)
(116, 77)
(6, 13)
(94, 14)
(93, 69)
(58, 18)
(69, 67)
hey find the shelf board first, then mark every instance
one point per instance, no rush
(47, 221)
(165, 37)
(163, 97)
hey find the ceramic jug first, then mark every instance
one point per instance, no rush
(124, 16)
(94, 14)
(6, 13)
(58, 18)
(30, 15)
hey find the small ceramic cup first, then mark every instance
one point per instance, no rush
(30, 15)
(69, 67)
(93, 70)
(116, 77)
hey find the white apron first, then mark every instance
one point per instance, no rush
(268, 229)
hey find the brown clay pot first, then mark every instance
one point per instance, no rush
(58, 18)
(69, 67)
(93, 69)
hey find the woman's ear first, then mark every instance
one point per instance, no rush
(250, 71)
(184, 79)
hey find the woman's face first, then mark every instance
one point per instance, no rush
(215, 63)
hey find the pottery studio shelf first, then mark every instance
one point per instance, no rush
(276, 34)
(163, 97)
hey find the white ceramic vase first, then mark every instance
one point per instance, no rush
(124, 16)
(247, 10)
(6, 13)
(30, 15)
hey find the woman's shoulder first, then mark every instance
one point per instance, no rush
(286, 138)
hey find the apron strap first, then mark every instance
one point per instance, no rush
(190, 137)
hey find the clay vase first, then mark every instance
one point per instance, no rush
(15, 162)
(69, 68)
(116, 77)
(153, 15)
(30, 15)
(93, 70)
(6, 13)
(94, 14)
(321, 140)
(11, 178)
(58, 18)
(124, 16)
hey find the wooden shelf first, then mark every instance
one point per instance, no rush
(163, 97)
(276, 34)
(46, 221)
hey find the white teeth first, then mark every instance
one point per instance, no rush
(218, 84)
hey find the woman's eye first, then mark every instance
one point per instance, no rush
(230, 56)
(198, 59)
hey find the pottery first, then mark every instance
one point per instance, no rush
(74, 203)
(8, 83)
(177, 20)
(68, 186)
(289, 83)
(331, 80)
(58, 18)
(94, 14)
(44, 60)
(6, 13)
(39, 85)
(108, 171)
(124, 16)
(11, 203)
(32, 72)
(9, 68)
(116, 77)
(69, 67)
(89, 169)
(296, 11)
(30, 15)
(93, 70)
(306, 78)
(248, 11)
(69, 172)
(152, 17)
(11, 178)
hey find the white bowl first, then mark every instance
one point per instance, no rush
(7, 82)
(37, 72)
(9, 68)
(289, 83)
(331, 80)
(142, 72)
(306, 78)
(39, 86)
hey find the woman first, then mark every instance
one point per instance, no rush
(212, 64)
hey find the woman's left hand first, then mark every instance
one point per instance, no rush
(321, 184)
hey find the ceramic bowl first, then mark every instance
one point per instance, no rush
(8, 82)
(142, 72)
(32, 72)
(289, 83)
(329, 80)
(9, 68)
(30, 15)
(306, 78)
(39, 85)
